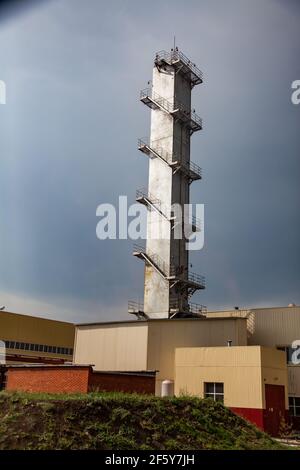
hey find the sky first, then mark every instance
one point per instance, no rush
(73, 70)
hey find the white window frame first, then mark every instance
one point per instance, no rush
(214, 394)
(294, 406)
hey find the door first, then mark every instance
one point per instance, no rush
(275, 408)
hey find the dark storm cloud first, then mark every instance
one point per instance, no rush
(68, 133)
(10, 9)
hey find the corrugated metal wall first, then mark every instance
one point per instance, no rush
(274, 326)
(115, 346)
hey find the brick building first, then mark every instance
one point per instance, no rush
(76, 379)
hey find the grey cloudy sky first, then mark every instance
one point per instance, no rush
(68, 134)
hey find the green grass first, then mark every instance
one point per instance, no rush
(122, 422)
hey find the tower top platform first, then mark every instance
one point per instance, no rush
(182, 63)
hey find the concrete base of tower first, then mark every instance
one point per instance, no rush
(156, 315)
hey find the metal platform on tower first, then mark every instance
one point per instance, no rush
(136, 308)
(192, 281)
(182, 64)
(153, 259)
(189, 118)
(144, 197)
(191, 310)
(190, 169)
(170, 273)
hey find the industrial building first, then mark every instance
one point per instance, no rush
(242, 357)
(72, 378)
(250, 380)
(30, 339)
(151, 344)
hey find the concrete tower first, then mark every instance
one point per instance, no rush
(168, 283)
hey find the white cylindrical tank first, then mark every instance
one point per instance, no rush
(167, 388)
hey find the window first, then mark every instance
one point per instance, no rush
(294, 406)
(38, 347)
(214, 390)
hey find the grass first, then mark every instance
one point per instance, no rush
(123, 422)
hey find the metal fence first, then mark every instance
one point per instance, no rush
(171, 108)
(135, 306)
(189, 167)
(175, 56)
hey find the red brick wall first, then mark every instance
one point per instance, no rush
(49, 380)
(121, 383)
(75, 379)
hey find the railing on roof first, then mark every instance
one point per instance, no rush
(190, 307)
(197, 308)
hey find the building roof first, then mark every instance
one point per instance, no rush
(24, 315)
(241, 310)
(46, 366)
(147, 373)
(152, 320)
(228, 317)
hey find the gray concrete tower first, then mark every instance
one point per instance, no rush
(168, 283)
